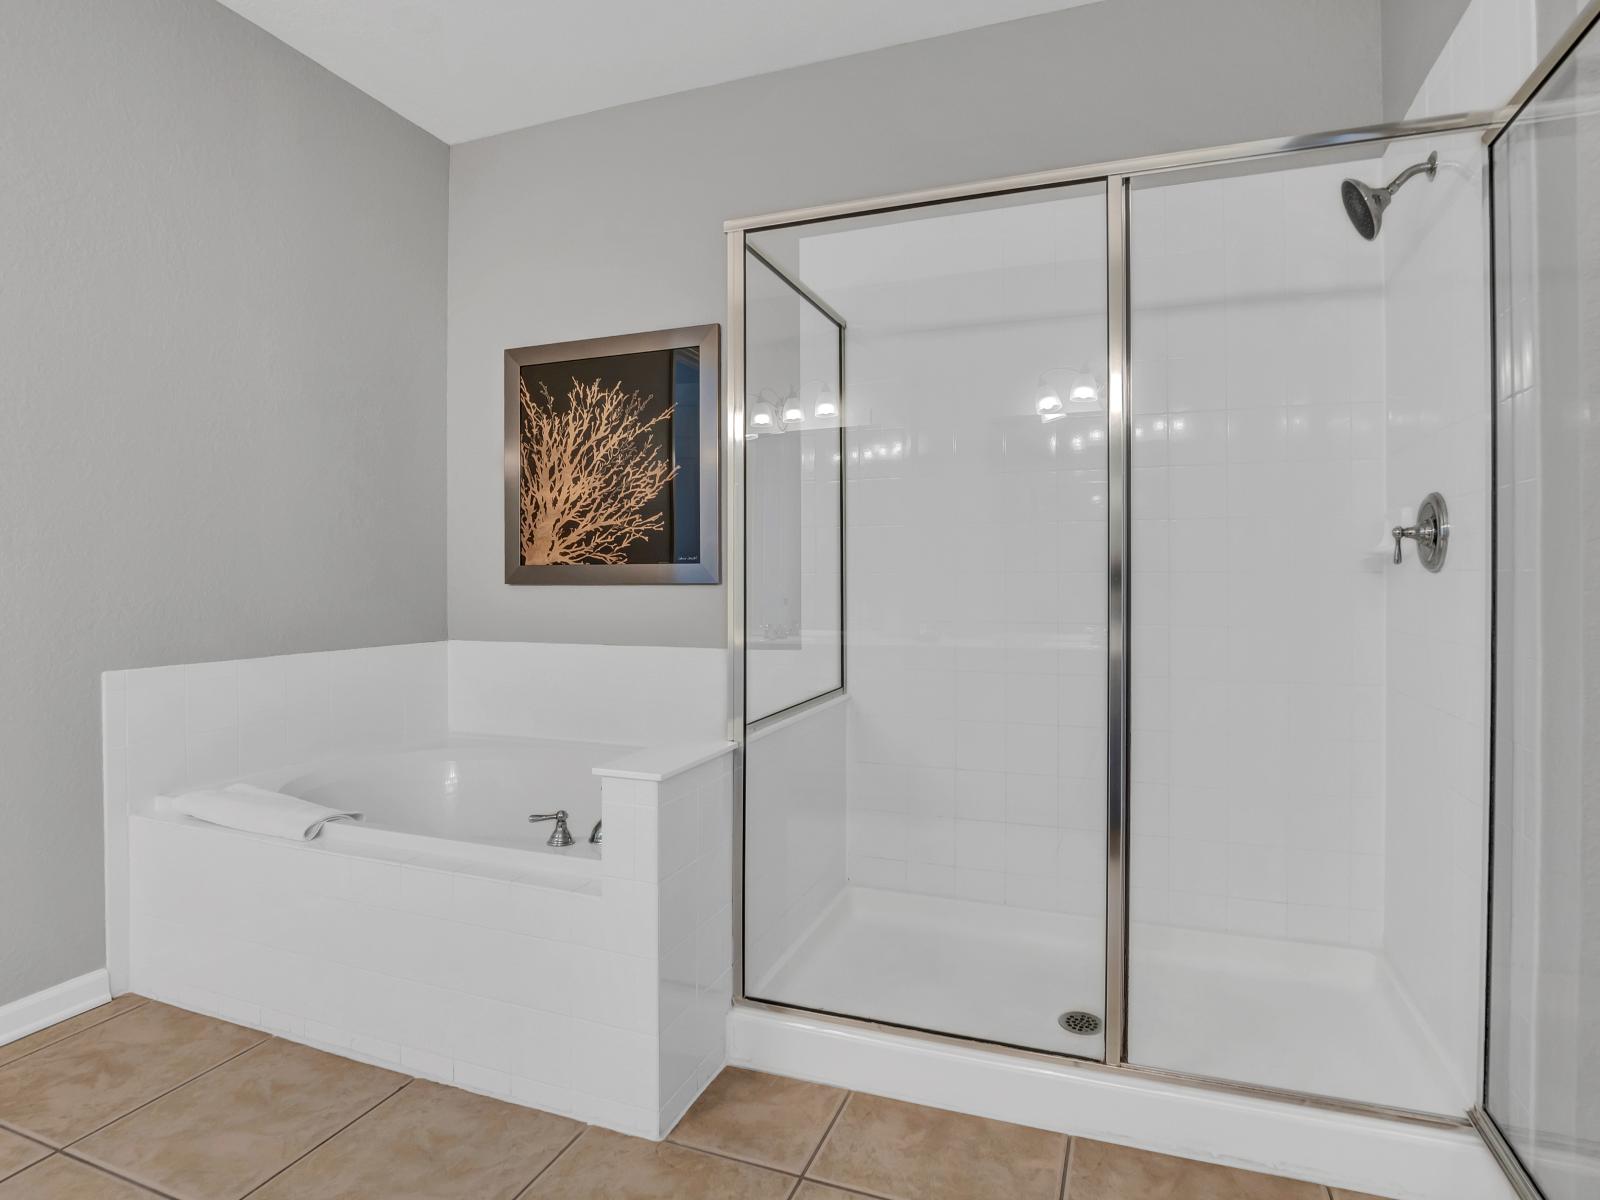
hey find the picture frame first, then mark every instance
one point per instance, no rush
(612, 459)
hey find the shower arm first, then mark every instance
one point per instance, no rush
(1428, 167)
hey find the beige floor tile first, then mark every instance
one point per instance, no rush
(765, 1119)
(60, 1178)
(608, 1166)
(821, 1191)
(75, 1086)
(1105, 1172)
(1342, 1194)
(908, 1152)
(17, 1152)
(12, 1051)
(234, 1128)
(429, 1141)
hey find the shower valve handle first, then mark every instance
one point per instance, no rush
(1400, 532)
(1431, 533)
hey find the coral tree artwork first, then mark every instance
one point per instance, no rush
(611, 471)
(592, 473)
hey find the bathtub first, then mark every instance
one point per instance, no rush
(467, 797)
(441, 936)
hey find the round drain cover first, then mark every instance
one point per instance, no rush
(1079, 1022)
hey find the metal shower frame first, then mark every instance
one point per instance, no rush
(1118, 177)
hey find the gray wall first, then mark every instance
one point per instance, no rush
(1414, 31)
(611, 222)
(221, 381)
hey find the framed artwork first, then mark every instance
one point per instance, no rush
(611, 459)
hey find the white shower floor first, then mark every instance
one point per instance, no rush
(1320, 1019)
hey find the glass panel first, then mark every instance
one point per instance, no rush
(792, 531)
(1307, 716)
(929, 851)
(1544, 1018)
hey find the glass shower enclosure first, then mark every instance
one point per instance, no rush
(1119, 580)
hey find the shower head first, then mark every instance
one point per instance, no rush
(1364, 204)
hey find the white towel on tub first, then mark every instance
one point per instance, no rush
(256, 810)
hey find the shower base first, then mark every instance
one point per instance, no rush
(1321, 1019)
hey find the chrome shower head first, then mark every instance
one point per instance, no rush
(1364, 204)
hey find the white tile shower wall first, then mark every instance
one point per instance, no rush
(1257, 587)
(975, 558)
(603, 998)
(181, 726)
(637, 695)
(794, 832)
(1437, 280)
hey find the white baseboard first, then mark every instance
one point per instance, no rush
(1380, 1157)
(33, 1013)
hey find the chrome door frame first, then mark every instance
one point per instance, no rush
(1483, 1120)
(1118, 177)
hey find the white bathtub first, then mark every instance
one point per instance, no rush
(440, 936)
(469, 797)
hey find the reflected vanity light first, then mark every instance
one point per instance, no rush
(1085, 390)
(1082, 391)
(762, 412)
(826, 406)
(793, 415)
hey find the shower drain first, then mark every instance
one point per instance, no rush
(1080, 1022)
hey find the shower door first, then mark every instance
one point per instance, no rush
(1306, 777)
(924, 791)
(1543, 1078)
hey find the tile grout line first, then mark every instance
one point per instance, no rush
(353, 1120)
(147, 1103)
(583, 1128)
(805, 1171)
(111, 1171)
(76, 1033)
(1066, 1166)
(722, 1154)
(135, 1108)
(29, 1166)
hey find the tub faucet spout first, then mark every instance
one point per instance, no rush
(594, 834)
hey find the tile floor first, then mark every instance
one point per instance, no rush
(136, 1100)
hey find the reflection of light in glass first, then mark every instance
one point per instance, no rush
(1084, 389)
(866, 454)
(1160, 425)
(896, 449)
(1077, 443)
(760, 419)
(825, 405)
(1047, 403)
(793, 415)
(1177, 427)
(1094, 435)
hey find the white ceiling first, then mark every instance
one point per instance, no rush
(465, 69)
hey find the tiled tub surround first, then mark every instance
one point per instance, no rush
(496, 967)
(598, 990)
(165, 729)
